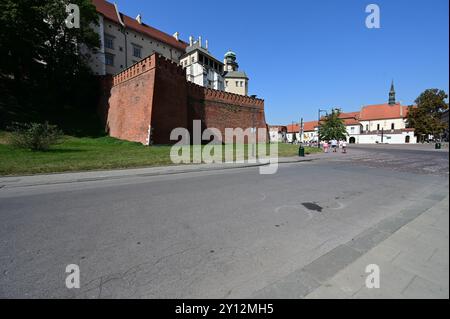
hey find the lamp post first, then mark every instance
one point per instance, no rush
(318, 127)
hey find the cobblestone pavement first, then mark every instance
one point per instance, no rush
(418, 161)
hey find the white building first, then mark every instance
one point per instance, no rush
(201, 67)
(277, 133)
(235, 81)
(379, 123)
(125, 41)
(384, 123)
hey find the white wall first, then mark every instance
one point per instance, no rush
(387, 138)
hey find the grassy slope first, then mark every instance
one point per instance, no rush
(79, 154)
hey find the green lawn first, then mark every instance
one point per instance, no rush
(81, 154)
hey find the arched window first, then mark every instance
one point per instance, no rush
(407, 139)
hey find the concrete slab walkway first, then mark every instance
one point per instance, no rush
(413, 263)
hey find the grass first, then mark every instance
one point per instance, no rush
(88, 153)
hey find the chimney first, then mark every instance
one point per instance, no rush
(176, 35)
(206, 44)
(191, 40)
(139, 18)
(200, 41)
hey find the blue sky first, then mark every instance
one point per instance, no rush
(310, 54)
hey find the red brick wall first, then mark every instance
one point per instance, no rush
(155, 94)
(169, 101)
(131, 101)
(223, 110)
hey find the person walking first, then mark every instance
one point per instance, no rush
(334, 145)
(325, 146)
(344, 147)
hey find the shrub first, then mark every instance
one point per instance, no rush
(35, 136)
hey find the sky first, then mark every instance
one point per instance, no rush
(302, 55)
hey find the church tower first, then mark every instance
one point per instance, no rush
(235, 81)
(392, 94)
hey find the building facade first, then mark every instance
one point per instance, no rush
(125, 41)
(379, 123)
(235, 81)
(201, 67)
(277, 133)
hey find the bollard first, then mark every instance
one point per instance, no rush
(301, 151)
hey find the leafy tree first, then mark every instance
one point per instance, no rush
(44, 63)
(425, 118)
(332, 127)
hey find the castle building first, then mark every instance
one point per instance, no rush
(201, 67)
(235, 81)
(125, 41)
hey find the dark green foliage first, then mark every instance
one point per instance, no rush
(332, 127)
(35, 136)
(43, 65)
(426, 117)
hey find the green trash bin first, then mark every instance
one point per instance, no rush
(301, 151)
(437, 146)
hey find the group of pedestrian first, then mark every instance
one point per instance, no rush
(335, 145)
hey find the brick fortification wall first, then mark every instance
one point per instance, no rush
(152, 97)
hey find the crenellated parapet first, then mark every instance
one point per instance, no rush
(135, 70)
(151, 62)
(200, 92)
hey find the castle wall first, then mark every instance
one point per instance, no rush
(131, 102)
(154, 97)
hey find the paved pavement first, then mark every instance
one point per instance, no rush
(227, 233)
(413, 263)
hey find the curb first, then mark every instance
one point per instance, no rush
(166, 170)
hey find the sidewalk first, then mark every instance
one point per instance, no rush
(86, 176)
(413, 262)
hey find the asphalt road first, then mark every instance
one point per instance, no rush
(218, 234)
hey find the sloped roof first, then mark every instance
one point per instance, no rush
(383, 111)
(108, 11)
(309, 126)
(235, 75)
(292, 128)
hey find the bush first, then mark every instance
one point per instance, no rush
(35, 136)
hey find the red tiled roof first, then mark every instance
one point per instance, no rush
(349, 115)
(108, 11)
(292, 128)
(383, 111)
(309, 126)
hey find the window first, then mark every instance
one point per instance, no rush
(226, 83)
(136, 51)
(378, 127)
(367, 127)
(109, 42)
(392, 126)
(109, 59)
(352, 129)
(237, 83)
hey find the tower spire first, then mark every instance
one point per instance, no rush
(392, 94)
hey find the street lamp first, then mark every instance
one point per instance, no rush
(318, 126)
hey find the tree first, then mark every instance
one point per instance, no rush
(426, 117)
(44, 63)
(332, 127)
